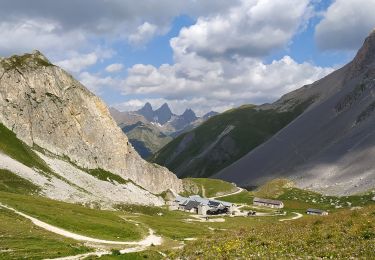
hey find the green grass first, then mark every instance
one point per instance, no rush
(297, 199)
(11, 182)
(252, 127)
(211, 187)
(18, 150)
(149, 254)
(273, 188)
(76, 218)
(342, 235)
(28, 60)
(106, 176)
(244, 197)
(20, 239)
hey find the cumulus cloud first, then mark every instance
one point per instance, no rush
(97, 83)
(144, 33)
(115, 67)
(26, 35)
(222, 84)
(219, 59)
(79, 62)
(345, 24)
(69, 25)
(253, 28)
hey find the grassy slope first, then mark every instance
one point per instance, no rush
(75, 218)
(18, 150)
(146, 139)
(11, 182)
(20, 239)
(252, 128)
(210, 187)
(341, 235)
(299, 200)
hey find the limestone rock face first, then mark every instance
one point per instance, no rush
(47, 107)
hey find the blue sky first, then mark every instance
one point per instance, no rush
(205, 55)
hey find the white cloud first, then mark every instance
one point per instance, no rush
(115, 67)
(223, 84)
(96, 83)
(144, 33)
(253, 28)
(218, 59)
(345, 24)
(26, 35)
(78, 62)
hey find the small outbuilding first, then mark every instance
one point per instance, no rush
(316, 212)
(192, 206)
(268, 203)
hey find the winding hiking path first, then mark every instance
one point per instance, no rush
(229, 194)
(151, 239)
(298, 215)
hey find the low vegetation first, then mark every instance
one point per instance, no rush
(100, 224)
(11, 182)
(209, 187)
(187, 156)
(20, 239)
(149, 254)
(244, 197)
(343, 235)
(18, 150)
(106, 176)
(29, 60)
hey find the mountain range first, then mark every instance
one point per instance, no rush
(321, 136)
(149, 130)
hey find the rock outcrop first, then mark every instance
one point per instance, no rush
(48, 108)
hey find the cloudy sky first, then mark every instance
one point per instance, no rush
(199, 54)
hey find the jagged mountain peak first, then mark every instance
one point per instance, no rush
(164, 107)
(189, 111)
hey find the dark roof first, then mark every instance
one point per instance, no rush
(316, 211)
(192, 204)
(268, 201)
(213, 203)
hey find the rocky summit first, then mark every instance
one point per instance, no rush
(48, 109)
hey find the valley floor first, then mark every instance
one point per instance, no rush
(91, 233)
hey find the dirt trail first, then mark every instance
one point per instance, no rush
(229, 194)
(298, 215)
(151, 239)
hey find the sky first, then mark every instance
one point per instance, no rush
(200, 54)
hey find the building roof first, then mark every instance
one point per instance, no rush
(213, 203)
(319, 211)
(192, 204)
(268, 201)
(181, 200)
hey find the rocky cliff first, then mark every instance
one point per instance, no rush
(49, 109)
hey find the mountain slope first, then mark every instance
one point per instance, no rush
(223, 139)
(145, 138)
(331, 146)
(73, 132)
(150, 130)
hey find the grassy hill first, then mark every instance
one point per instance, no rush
(222, 140)
(342, 235)
(207, 187)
